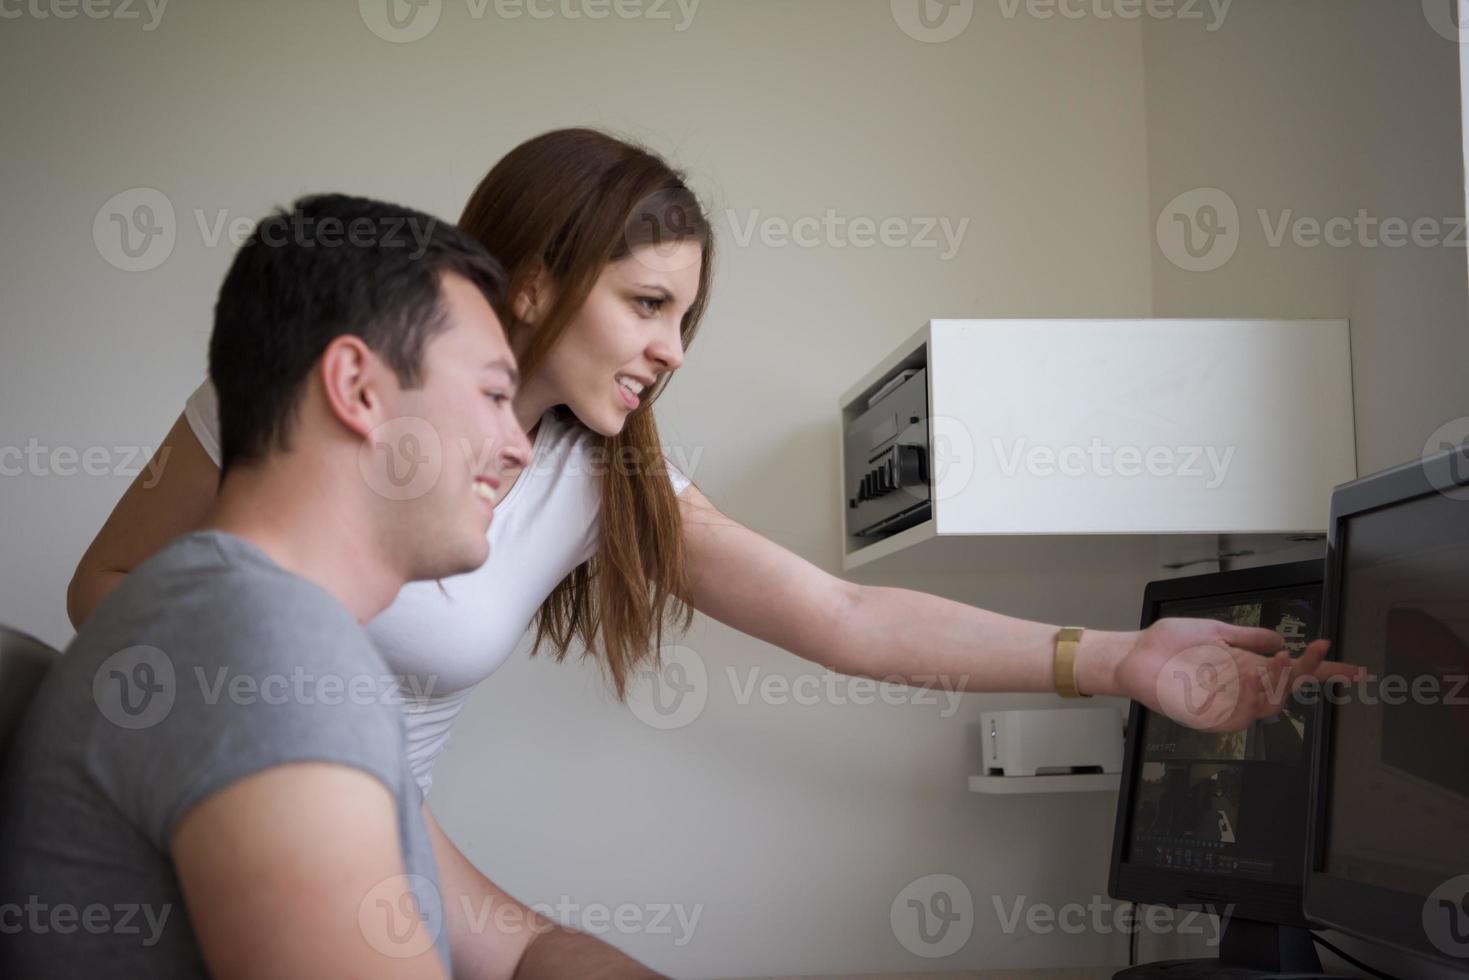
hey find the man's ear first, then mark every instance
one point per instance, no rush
(352, 376)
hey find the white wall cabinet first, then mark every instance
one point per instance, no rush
(1066, 427)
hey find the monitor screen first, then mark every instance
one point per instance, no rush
(1398, 800)
(1228, 805)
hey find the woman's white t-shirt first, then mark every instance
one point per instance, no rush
(443, 643)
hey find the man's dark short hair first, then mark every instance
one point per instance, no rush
(330, 265)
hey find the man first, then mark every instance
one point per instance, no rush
(213, 779)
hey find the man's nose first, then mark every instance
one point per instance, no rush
(517, 449)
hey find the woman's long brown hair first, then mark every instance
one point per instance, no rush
(566, 204)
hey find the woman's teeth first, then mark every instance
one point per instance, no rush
(484, 491)
(633, 386)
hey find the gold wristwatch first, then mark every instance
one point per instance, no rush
(1067, 639)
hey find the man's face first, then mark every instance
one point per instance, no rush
(460, 422)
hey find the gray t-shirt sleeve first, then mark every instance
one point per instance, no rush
(275, 672)
(201, 411)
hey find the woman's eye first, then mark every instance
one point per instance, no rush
(649, 304)
(498, 397)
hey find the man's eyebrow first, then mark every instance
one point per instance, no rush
(506, 366)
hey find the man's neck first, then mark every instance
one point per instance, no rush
(290, 512)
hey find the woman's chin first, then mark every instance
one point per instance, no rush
(607, 424)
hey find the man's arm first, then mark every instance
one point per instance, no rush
(494, 937)
(296, 872)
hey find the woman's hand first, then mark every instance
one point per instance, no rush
(1217, 677)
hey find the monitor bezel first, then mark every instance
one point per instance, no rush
(1377, 914)
(1260, 901)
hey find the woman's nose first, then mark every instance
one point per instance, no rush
(668, 352)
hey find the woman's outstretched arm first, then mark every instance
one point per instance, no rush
(168, 498)
(1200, 672)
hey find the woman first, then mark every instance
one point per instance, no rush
(597, 539)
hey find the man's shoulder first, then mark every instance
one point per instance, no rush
(213, 597)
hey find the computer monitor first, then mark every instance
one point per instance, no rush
(1388, 855)
(1218, 821)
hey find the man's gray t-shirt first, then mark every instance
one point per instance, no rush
(207, 664)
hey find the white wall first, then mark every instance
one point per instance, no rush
(792, 828)
(1318, 109)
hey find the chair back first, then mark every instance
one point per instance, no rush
(24, 661)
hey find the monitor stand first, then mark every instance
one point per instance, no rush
(1247, 951)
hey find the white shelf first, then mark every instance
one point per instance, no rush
(1091, 782)
(1039, 431)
